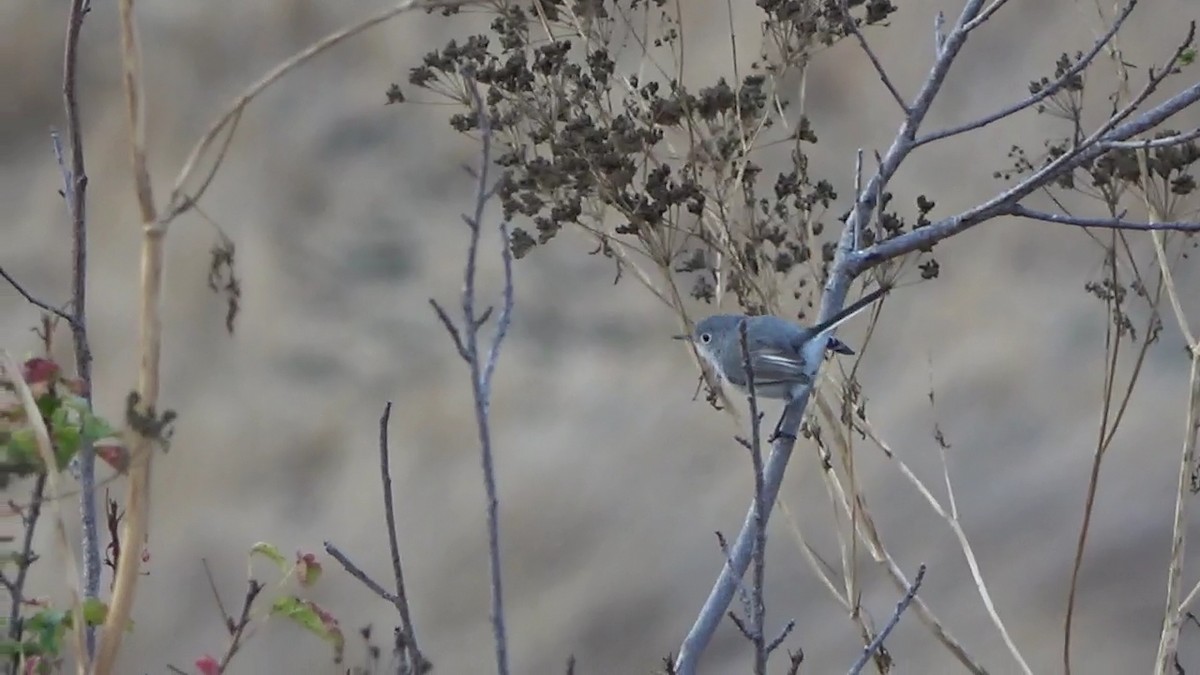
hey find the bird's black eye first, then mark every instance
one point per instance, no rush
(705, 338)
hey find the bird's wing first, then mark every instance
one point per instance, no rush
(771, 366)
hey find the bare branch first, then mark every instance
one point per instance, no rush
(357, 572)
(482, 368)
(450, 328)
(891, 624)
(212, 586)
(419, 664)
(180, 200)
(407, 638)
(1044, 93)
(985, 14)
(75, 183)
(1088, 150)
(1107, 223)
(758, 609)
(29, 297)
(939, 34)
(237, 629)
(1149, 144)
(783, 634)
(853, 27)
(16, 586)
(1173, 615)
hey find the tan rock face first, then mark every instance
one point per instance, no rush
(346, 217)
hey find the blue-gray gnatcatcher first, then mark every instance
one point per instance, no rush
(776, 347)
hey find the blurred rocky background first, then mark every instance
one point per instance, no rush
(346, 218)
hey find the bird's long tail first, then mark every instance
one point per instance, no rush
(849, 312)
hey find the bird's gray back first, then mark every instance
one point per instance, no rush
(774, 332)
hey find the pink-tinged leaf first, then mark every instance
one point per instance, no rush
(38, 370)
(76, 386)
(309, 615)
(308, 570)
(207, 665)
(114, 455)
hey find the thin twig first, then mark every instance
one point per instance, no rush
(419, 664)
(358, 573)
(901, 606)
(1173, 615)
(1043, 93)
(75, 183)
(16, 587)
(1088, 150)
(870, 536)
(854, 29)
(31, 299)
(481, 371)
(758, 611)
(985, 14)
(1107, 223)
(1154, 143)
(237, 629)
(180, 201)
(406, 637)
(212, 586)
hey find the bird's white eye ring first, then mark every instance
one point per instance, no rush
(705, 338)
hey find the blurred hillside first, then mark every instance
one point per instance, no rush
(346, 217)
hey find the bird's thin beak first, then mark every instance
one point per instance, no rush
(681, 337)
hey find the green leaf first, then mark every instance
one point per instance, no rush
(270, 552)
(94, 612)
(22, 448)
(11, 649)
(312, 618)
(66, 444)
(92, 426)
(49, 626)
(96, 427)
(49, 404)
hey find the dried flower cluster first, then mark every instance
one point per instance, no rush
(653, 168)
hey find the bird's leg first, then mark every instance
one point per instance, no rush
(778, 432)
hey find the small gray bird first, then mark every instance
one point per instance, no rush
(776, 347)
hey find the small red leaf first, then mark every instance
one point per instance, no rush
(76, 386)
(308, 570)
(207, 665)
(114, 455)
(38, 370)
